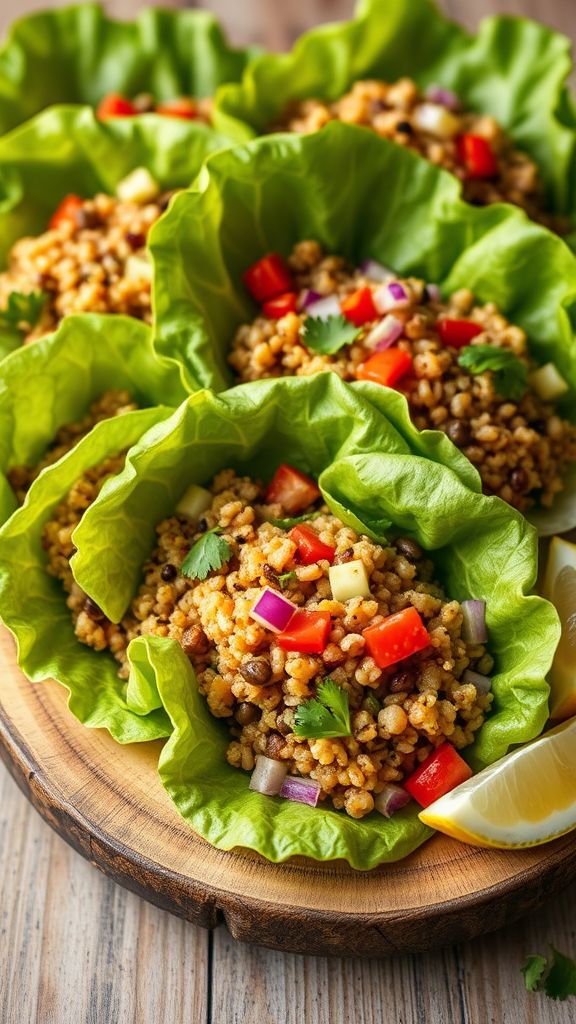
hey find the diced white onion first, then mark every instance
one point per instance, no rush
(390, 296)
(482, 683)
(138, 187)
(138, 268)
(445, 97)
(323, 308)
(433, 292)
(194, 502)
(385, 333)
(268, 776)
(548, 383)
(303, 791)
(436, 120)
(474, 624)
(391, 799)
(349, 579)
(272, 610)
(375, 271)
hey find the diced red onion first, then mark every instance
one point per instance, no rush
(375, 271)
(385, 333)
(308, 298)
(303, 791)
(268, 776)
(391, 799)
(482, 683)
(474, 625)
(323, 308)
(445, 97)
(391, 296)
(433, 292)
(272, 610)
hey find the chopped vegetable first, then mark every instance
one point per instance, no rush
(67, 210)
(349, 579)
(548, 383)
(385, 333)
(307, 632)
(210, 552)
(477, 156)
(434, 294)
(307, 299)
(510, 373)
(268, 776)
(291, 489)
(556, 976)
(359, 307)
(482, 683)
(183, 107)
(310, 548)
(391, 296)
(23, 310)
(323, 307)
(386, 368)
(138, 187)
(447, 98)
(138, 268)
(441, 772)
(437, 120)
(194, 502)
(391, 799)
(287, 524)
(396, 637)
(303, 791)
(280, 306)
(375, 271)
(268, 277)
(115, 105)
(285, 577)
(458, 333)
(474, 622)
(272, 610)
(326, 716)
(328, 336)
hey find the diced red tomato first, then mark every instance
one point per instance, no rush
(310, 548)
(477, 155)
(268, 278)
(386, 367)
(291, 489)
(183, 107)
(115, 105)
(458, 333)
(359, 307)
(396, 637)
(66, 211)
(307, 632)
(442, 771)
(280, 306)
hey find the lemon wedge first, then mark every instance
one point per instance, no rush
(560, 588)
(526, 798)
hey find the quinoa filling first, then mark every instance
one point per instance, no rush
(472, 146)
(399, 714)
(443, 355)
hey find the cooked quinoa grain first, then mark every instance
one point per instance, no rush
(522, 448)
(398, 714)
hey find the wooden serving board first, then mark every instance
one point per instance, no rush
(107, 801)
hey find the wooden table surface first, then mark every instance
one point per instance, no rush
(77, 949)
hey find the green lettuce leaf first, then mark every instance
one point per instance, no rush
(368, 472)
(514, 68)
(54, 381)
(360, 196)
(78, 55)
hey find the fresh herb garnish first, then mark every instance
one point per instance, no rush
(23, 311)
(555, 977)
(510, 373)
(210, 552)
(284, 577)
(326, 716)
(329, 335)
(287, 524)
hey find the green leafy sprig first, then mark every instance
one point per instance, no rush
(210, 552)
(556, 976)
(510, 373)
(23, 310)
(326, 716)
(328, 335)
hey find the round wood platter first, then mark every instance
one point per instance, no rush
(107, 801)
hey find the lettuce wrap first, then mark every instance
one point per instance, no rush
(78, 55)
(514, 68)
(372, 478)
(54, 381)
(360, 197)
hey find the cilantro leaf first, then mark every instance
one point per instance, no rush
(287, 524)
(325, 717)
(510, 373)
(284, 577)
(209, 552)
(556, 976)
(23, 311)
(329, 335)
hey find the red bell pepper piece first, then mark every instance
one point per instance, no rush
(458, 333)
(307, 632)
(268, 278)
(396, 637)
(280, 306)
(359, 307)
(442, 771)
(310, 548)
(386, 367)
(291, 489)
(66, 211)
(183, 107)
(115, 105)
(477, 155)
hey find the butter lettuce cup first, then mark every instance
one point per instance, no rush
(299, 500)
(166, 61)
(492, 108)
(352, 255)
